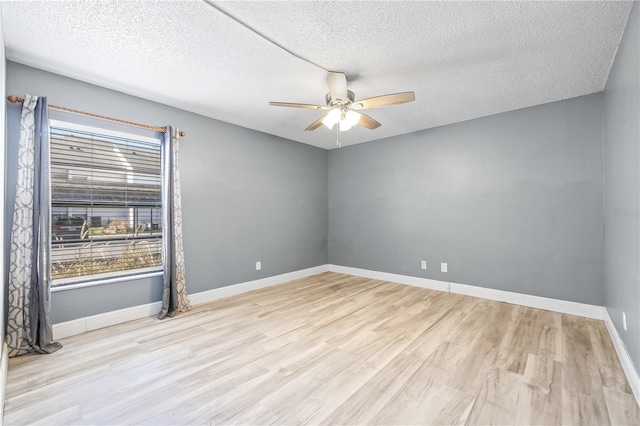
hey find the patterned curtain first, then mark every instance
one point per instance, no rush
(28, 323)
(174, 294)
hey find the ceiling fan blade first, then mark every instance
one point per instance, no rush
(315, 124)
(384, 100)
(294, 105)
(368, 122)
(337, 83)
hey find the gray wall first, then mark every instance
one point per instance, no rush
(511, 202)
(247, 196)
(622, 187)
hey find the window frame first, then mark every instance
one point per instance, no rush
(70, 283)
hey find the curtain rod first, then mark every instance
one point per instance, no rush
(15, 99)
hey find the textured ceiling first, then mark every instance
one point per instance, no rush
(463, 60)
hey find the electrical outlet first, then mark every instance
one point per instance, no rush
(624, 321)
(423, 264)
(258, 266)
(443, 267)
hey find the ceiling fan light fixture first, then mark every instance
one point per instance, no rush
(344, 126)
(350, 119)
(332, 118)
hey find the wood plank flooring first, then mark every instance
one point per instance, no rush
(331, 349)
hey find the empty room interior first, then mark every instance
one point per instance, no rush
(318, 212)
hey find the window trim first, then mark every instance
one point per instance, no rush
(107, 132)
(62, 284)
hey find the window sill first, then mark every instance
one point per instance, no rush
(73, 283)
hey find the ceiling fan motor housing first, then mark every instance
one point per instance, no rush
(346, 102)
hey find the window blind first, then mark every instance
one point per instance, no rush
(105, 204)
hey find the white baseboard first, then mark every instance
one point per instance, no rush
(4, 369)
(82, 325)
(396, 278)
(627, 364)
(232, 290)
(549, 304)
(563, 306)
(94, 322)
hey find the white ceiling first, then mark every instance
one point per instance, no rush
(463, 60)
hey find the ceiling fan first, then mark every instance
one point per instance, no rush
(342, 107)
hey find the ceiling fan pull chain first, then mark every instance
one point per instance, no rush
(339, 136)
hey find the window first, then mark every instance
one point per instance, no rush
(105, 204)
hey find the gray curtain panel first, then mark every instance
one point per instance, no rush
(174, 294)
(28, 323)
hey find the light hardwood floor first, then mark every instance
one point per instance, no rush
(331, 349)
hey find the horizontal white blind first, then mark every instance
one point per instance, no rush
(105, 204)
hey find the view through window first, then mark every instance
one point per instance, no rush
(105, 204)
